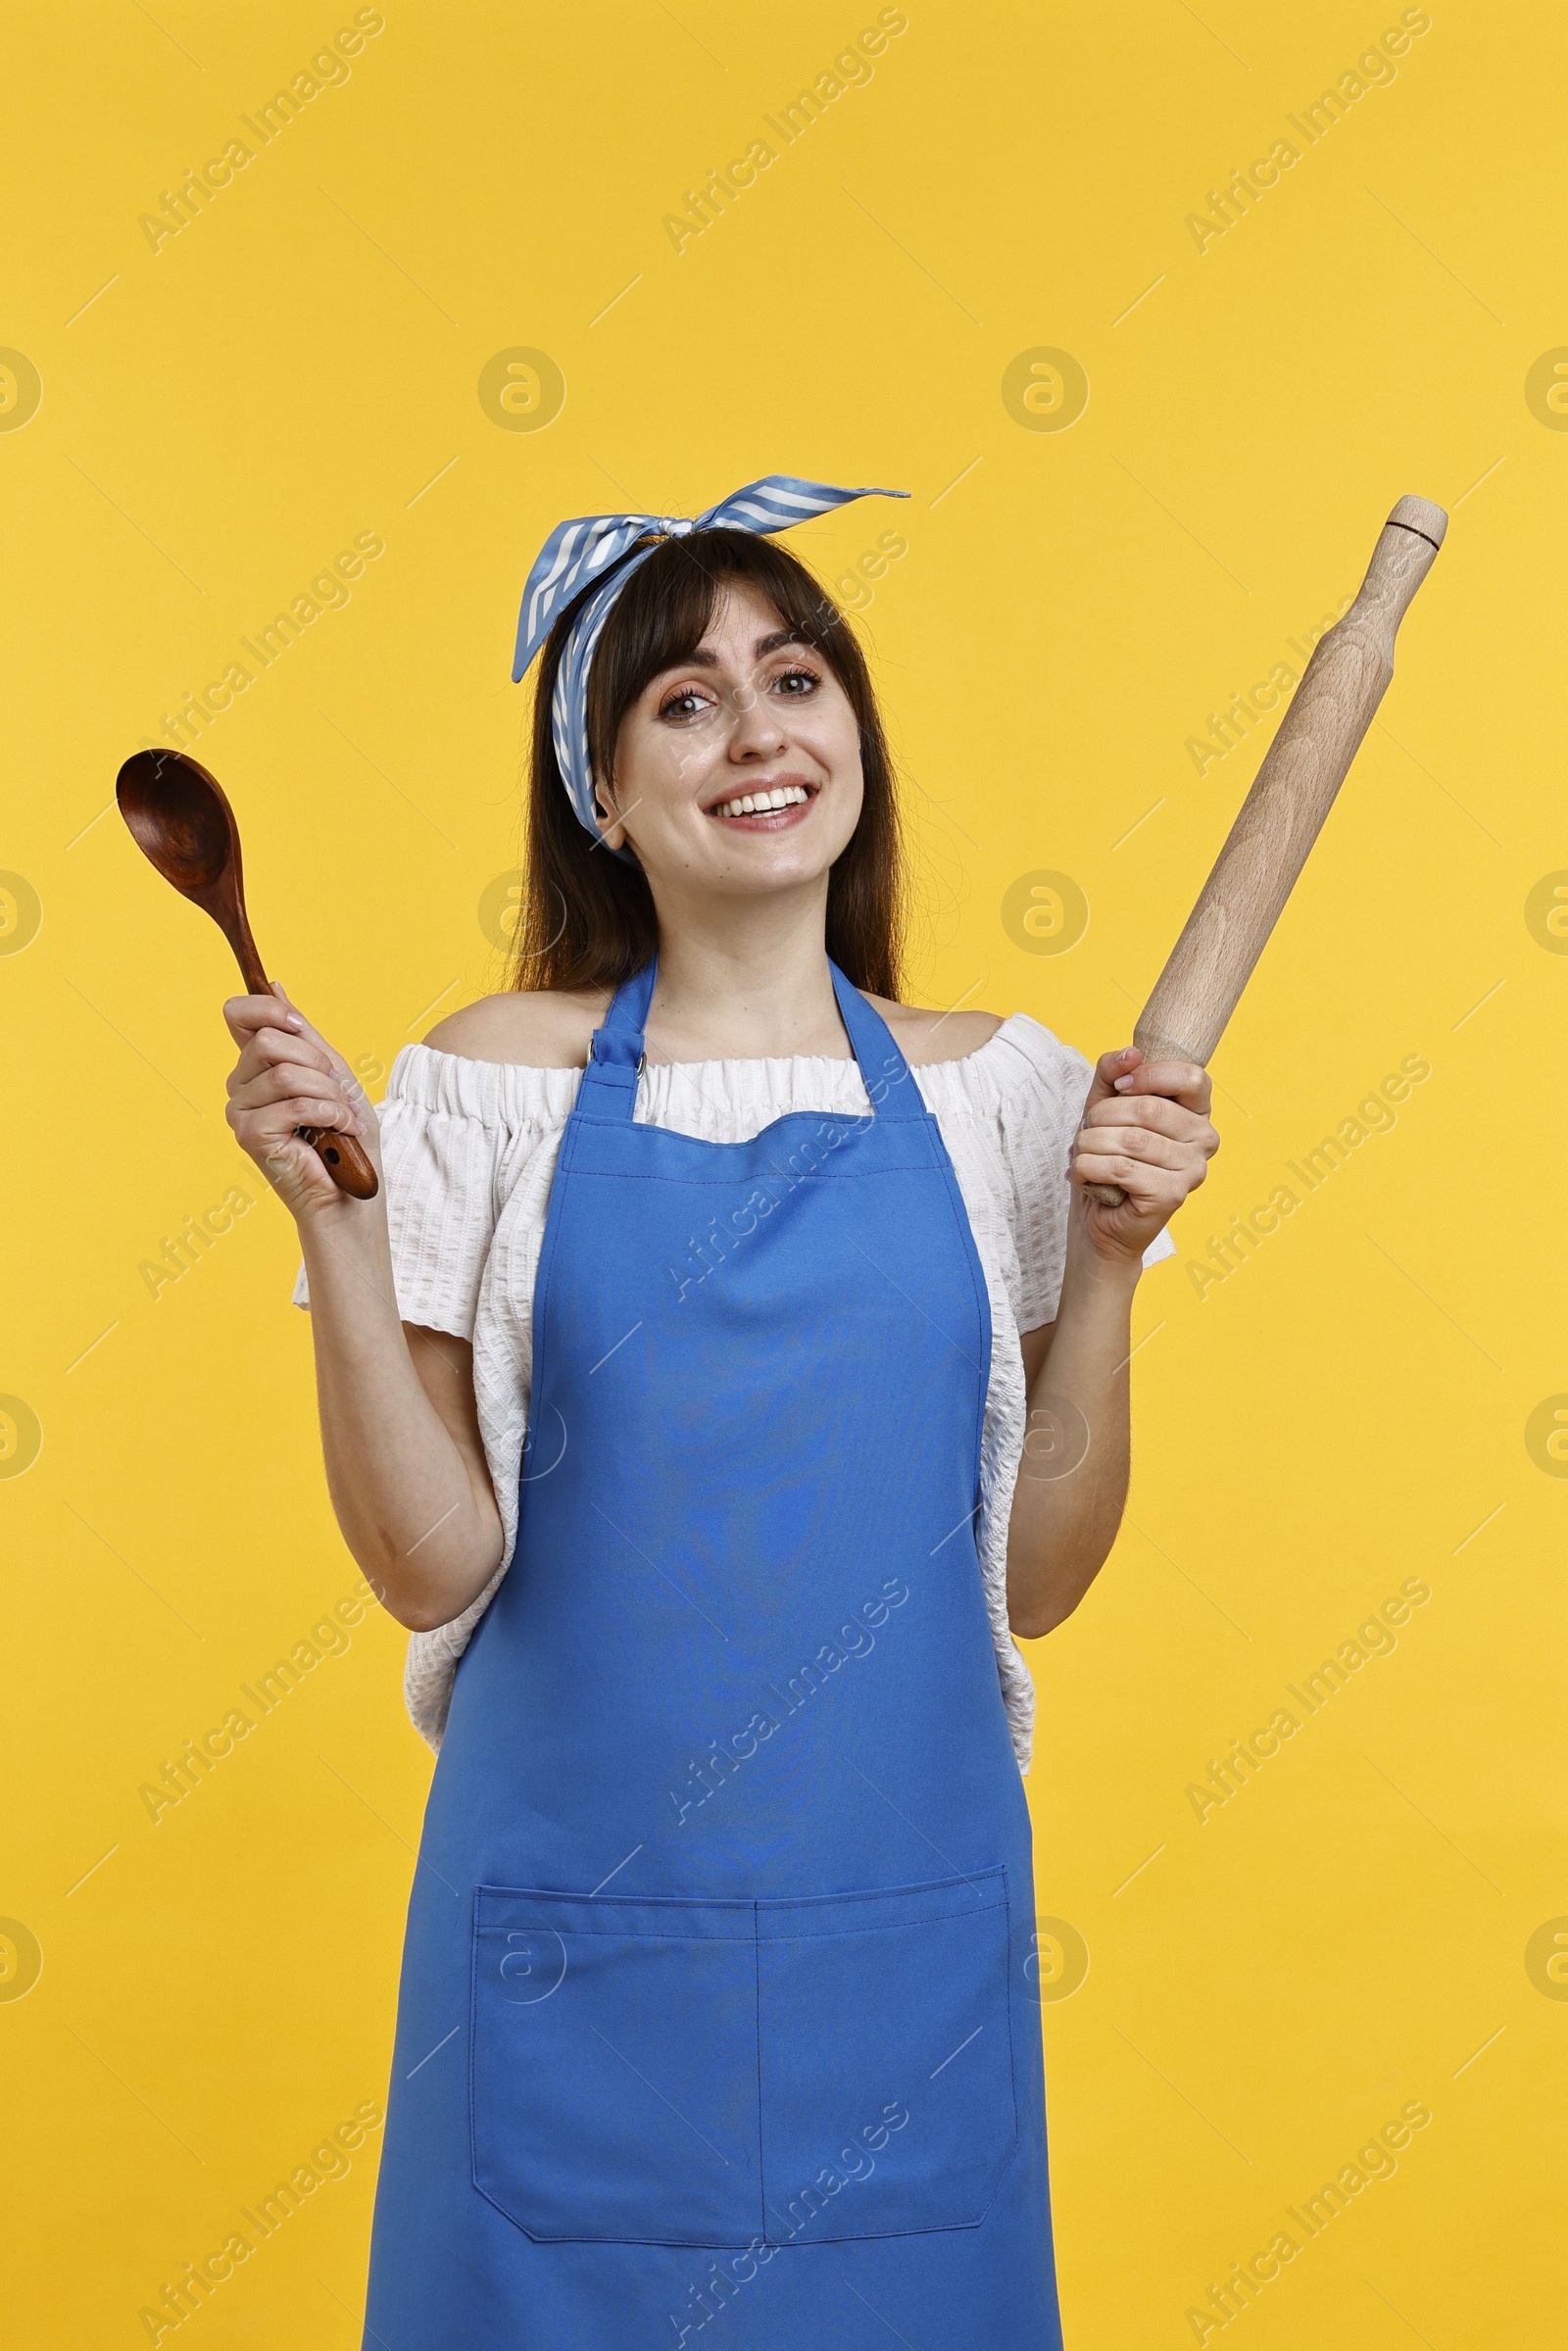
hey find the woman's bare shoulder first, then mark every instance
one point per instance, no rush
(924, 1037)
(553, 1028)
(545, 1028)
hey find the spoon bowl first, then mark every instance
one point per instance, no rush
(180, 819)
(177, 814)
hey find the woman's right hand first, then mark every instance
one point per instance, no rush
(287, 1076)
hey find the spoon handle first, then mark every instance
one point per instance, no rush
(344, 1160)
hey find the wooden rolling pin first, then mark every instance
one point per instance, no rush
(1283, 815)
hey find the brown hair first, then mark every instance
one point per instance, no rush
(587, 917)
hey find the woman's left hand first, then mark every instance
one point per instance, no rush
(1146, 1129)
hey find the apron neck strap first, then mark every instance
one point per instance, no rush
(610, 1081)
(894, 1094)
(629, 1007)
(618, 1049)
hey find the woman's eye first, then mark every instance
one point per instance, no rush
(687, 704)
(801, 682)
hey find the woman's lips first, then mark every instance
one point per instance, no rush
(761, 815)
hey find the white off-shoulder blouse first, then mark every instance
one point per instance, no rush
(468, 1151)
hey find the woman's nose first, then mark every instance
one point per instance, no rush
(754, 723)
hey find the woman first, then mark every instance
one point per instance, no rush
(720, 1993)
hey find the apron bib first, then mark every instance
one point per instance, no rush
(719, 1998)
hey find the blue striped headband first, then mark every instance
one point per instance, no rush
(579, 553)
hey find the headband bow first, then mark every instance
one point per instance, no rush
(597, 547)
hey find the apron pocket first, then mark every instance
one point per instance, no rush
(887, 2069)
(613, 2088)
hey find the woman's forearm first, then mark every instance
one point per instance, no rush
(1072, 1480)
(418, 1513)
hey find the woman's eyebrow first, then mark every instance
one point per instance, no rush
(703, 660)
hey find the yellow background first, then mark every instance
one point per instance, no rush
(300, 365)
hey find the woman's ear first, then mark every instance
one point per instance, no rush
(611, 829)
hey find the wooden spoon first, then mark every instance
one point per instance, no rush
(180, 820)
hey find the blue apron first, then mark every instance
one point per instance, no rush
(718, 2003)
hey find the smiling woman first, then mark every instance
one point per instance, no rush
(711, 1286)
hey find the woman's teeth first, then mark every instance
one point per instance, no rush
(759, 803)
